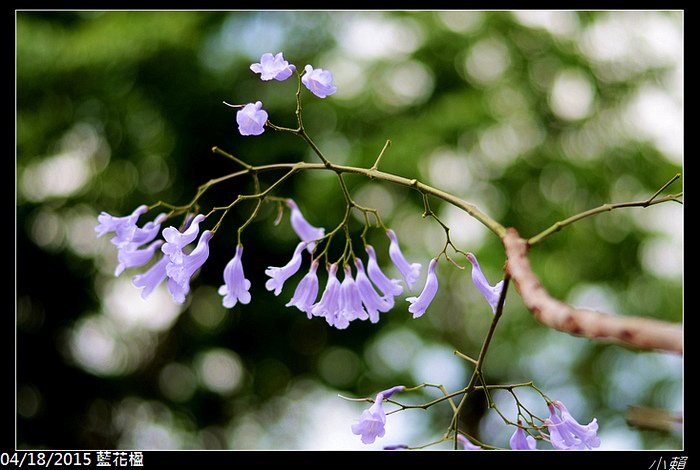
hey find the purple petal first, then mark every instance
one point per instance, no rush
(420, 304)
(389, 287)
(318, 81)
(251, 119)
(372, 421)
(491, 293)
(304, 229)
(410, 272)
(236, 286)
(306, 292)
(520, 440)
(151, 278)
(278, 275)
(372, 301)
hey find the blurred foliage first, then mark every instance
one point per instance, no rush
(532, 118)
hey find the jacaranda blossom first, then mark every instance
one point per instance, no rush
(466, 443)
(329, 305)
(350, 302)
(124, 227)
(420, 304)
(129, 237)
(236, 286)
(390, 288)
(372, 301)
(304, 229)
(251, 119)
(278, 276)
(491, 293)
(410, 272)
(151, 278)
(273, 67)
(372, 421)
(520, 440)
(305, 294)
(135, 257)
(179, 274)
(566, 433)
(318, 81)
(177, 240)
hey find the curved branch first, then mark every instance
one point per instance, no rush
(638, 332)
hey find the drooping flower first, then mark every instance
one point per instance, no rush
(251, 119)
(329, 305)
(318, 81)
(305, 294)
(135, 257)
(372, 421)
(236, 286)
(410, 272)
(151, 278)
(177, 240)
(271, 67)
(568, 434)
(466, 443)
(122, 226)
(491, 293)
(179, 274)
(372, 301)
(389, 287)
(129, 237)
(304, 229)
(350, 302)
(420, 304)
(278, 275)
(520, 440)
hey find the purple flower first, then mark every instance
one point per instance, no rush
(123, 226)
(372, 421)
(466, 443)
(306, 291)
(177, 240)
(134, 258)
(318, 81)
(420, 304)
(350, 302)
(179, 274)
(566, 433)
(151, 278)
(410, 272)
(236, 286)
(372, 301)
(271, 67)
(251, 119)
(491, 293)
(278, 276)
(520, 440)
(303, 229)
(129, 237)
(329, 305)
(389, 287)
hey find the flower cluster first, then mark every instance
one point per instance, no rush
(174, 265)
(565, 433)
(361, 295)
(251, 118)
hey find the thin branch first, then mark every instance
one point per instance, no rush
(637, 332)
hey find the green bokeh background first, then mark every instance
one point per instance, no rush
(532, 116)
